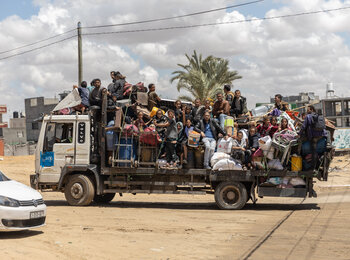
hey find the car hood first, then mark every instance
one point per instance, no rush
(18, 191)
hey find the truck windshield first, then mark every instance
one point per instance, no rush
(3, 177)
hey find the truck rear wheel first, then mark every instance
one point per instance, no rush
(104, 198)
(231, 195)
(79, 190)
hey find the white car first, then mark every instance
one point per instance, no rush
(21, 207)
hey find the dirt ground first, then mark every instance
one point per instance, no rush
(187, 227)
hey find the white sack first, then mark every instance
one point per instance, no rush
(227, 164)
(71, 100)
(224, 146)
(217, 157)
(297, 181)
(275, 164)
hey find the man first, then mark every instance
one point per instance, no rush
(96, 94)
(221, 109)
(210, 131)
(279, 104)
(228, 94)
(196, 105)
(313, 129)
(118, 87)
(239, 105)
(111, 86)
(153, 99)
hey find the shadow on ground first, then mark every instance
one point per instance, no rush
(19, 234)
(189, 206)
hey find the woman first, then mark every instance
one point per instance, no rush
(284, 125)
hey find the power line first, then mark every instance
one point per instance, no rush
(173, 17)
(37, 48)
(218, 23)
(34, 43)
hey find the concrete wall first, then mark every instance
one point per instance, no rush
(15, 136)
(19, 150)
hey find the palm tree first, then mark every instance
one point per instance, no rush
(203, 79)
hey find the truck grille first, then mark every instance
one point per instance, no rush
(26, 203)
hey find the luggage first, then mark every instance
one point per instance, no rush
(227, 164)
(149, 136)
(217, 157)
(224, 146)
(275, 164)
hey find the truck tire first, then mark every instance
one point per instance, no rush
(79, 190)
(104, 198)
(231, 195)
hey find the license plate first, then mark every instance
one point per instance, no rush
(37, 214)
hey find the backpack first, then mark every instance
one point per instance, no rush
(319, 123)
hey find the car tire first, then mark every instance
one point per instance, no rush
(104, 198)
(231, 195)
(79, 190)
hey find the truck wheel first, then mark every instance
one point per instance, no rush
(231, 195)
(104, 198)
(79, 190)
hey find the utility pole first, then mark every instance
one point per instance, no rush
(80, 55)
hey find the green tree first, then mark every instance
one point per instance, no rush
(203, 78)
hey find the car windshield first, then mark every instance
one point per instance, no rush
(3, 177)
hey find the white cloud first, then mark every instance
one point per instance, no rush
(282, 55)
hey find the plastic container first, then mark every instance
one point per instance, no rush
(297, 163)
(127, 150)
(193, 139)
(229, 121)
(260, 111)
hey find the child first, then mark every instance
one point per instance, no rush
(178, 111)
(139, 123)
(253, 142)
(171, 136)
(274, 126)
(264, 128)
(187, 129)
(159, 118)
(284, 125)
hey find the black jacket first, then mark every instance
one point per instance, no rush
(117, 87)
(214, 126)
(242, 109)
(253, 141)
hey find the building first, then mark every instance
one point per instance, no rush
(16, 132)
(35, 108)
(337, 109)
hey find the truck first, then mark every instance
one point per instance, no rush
(71, 157)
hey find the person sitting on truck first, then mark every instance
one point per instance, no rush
(313, 129)
(221, 110)
(96, 94)
(178, 111)
(171, 136)
(274, 126)
(210, 130)
(279, 104)
(239, 105)
(111, 107)
(284, 125)
(186, 114)
(264, 128)
(195, 108)
(201, 110)
(186, 132)
(139, 123)
(239, 149)
(153, 99)
(228, 94)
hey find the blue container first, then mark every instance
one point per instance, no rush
(127, 150)
(110, 140)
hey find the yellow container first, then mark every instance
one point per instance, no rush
(154, 111)
(297, 163)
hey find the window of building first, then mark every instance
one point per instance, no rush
(35, 125)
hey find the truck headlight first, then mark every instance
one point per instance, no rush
(8, 202)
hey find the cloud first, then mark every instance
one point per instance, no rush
(284, 56)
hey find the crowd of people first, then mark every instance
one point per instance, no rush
(207, 118)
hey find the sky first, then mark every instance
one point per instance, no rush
(286, 56)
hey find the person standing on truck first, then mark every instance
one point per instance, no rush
(313, 129)
(84, 95)
(221, 109)
(119, 85)
(96, 94)
(210, 130)
(239, 105)
(228, 94)
(153, 99)
(171, 136)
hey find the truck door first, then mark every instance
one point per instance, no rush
(58, 150)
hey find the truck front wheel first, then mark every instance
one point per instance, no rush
(104, 198)
(231, 195)
(79, 190)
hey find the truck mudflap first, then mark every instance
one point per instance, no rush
(34, 181)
